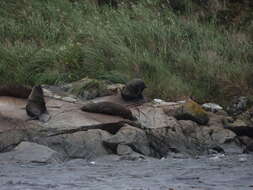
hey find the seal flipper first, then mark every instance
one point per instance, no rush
(45, 117)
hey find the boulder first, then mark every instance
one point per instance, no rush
(82, 144)
(67, 116)
(151, 115)
(66, 119)
(240, 125)
(247, 142)
(78, 134)
(13, 130)
(191, 111)
(166, 134)
(123, 149)
(249, 148)
(132, 137)
(27, 152)
(238, 105)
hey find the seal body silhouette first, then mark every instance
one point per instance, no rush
(36, 106)
(133, 90)
(15, 90)
(109, 108)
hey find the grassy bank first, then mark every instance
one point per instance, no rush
(60, 41)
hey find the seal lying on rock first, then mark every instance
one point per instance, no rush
(36, 106)
(15, 90)
(133, 90)
(109, 108)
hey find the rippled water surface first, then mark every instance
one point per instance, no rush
(206, 173)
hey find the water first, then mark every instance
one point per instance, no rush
(220, 172)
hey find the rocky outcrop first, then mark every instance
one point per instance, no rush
(132, 137)
(13, 131)
(238, 105)
(167, 134)
(156, 132)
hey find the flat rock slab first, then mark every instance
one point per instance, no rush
(64, 115)
(13, 108)
(153, 116)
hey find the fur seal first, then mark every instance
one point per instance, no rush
(109, 108)
(15, 90)
(36, 106)
(133, 90)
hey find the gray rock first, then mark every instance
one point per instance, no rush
(247, 142)
(27, 152)
(131, 136)
(124, 150)
(192, 111)
(154, 116)
(13, 130)
(166, 134)
(82, 144)
(79, 134)
(238, 105)
(249, 148)
(222, 136)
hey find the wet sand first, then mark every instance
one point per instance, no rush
(234, 172)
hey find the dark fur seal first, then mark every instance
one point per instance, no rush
(36, 106)
(109, 108)
(133, 90)
(15, 90)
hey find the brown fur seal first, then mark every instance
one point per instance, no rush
(109, 108)
(15, 90)
(36, 106)
(133, 90)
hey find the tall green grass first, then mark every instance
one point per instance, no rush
(58, 41)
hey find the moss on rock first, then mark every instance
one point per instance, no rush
(192, 111)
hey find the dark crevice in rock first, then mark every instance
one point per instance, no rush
(112, 128)
(109, 127)
(242, 131)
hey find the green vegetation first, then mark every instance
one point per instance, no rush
(58, 41)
